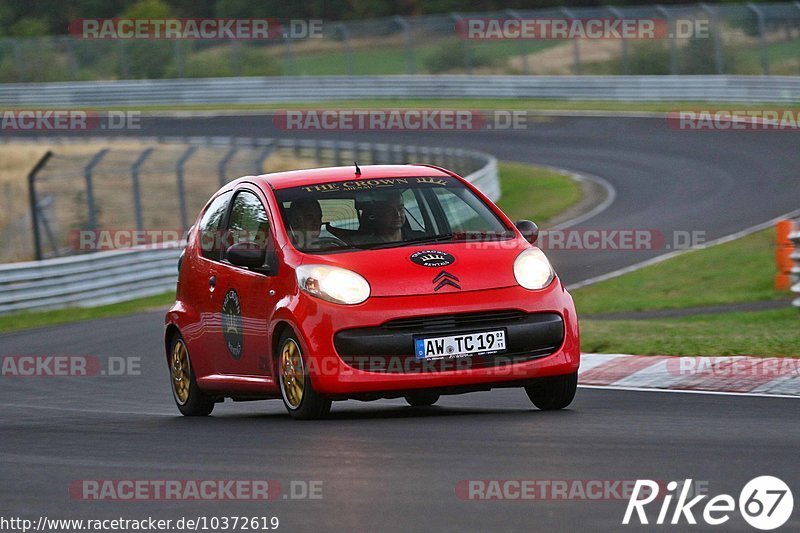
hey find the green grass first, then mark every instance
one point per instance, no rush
(464, 103)
(761, 333)
(549, 193)
(535, 193)
(739, 271)
(75, 314)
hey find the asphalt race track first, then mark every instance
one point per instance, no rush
(386, 466)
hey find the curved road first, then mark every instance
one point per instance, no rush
(385, 466)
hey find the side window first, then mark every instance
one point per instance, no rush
(248, 221)
(461, 215)
(209, 227)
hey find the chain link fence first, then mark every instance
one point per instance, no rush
(741, 39)
(85, 197)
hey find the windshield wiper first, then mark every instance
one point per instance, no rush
(419, 240)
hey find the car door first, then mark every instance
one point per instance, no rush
(204, 340)
(241, 295)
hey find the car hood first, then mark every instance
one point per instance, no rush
(435, 268)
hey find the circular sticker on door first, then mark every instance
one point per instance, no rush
(432, 258)
(232, 323)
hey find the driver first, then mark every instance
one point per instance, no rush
(385, 217)
(305, 221)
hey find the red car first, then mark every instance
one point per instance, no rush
(383, 282)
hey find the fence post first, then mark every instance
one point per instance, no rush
(223, 164)
(236, 57)
(464, 44)
(262, 156)
(523, 45)
(290, 70)
(123, 60)
(348, 48)
(18, 60)
(673, 46)
(337, 154)
(137, 194)
(72, 58)
(181, 187)
(178, 50)
(575, 43)
(716, 30)
(762, 37)
(34, 203)
(87, 174)
(408, 43)
(617, 14)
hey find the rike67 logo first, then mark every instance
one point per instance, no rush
(765, 503)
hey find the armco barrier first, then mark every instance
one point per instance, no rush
(256, 90)
(115, 276)
(87, 280)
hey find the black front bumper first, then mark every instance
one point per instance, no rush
(390, 346)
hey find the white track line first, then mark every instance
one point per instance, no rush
(681, 391)
(611, 195)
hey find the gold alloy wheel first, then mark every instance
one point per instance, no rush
(292, 373)
(180, 372)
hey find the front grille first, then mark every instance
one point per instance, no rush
(389, 348)
(447, 322)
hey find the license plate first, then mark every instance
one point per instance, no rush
(461, 345)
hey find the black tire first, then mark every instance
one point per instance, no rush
(422, 399)
(197, 403)
(553, 393)
(311, 405)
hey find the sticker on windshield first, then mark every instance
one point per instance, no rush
(371, 184)
(432, 258)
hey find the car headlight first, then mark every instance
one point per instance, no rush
(333, 284)
(533, 270)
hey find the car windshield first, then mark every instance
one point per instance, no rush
(384, 213)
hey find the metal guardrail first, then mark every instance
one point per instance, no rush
(115, 276)
(87, 280)
(261, 90)
(795, 272)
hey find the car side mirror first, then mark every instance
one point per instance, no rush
(529, 230)
(248, 255)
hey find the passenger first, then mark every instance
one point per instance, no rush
(305, 221)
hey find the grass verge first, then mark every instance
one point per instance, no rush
(75, 314)
(535, 193)
(551, 193)
(736, 272)
(773, 333)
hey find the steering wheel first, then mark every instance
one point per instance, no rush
(331, 241)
